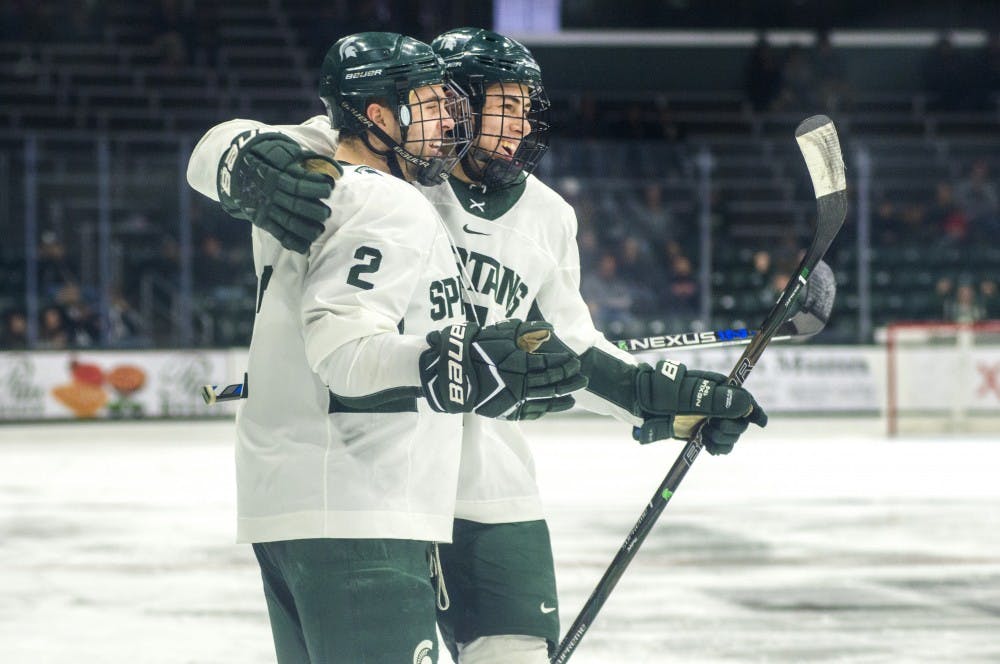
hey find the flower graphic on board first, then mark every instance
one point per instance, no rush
(86, 395)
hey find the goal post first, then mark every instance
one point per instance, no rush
(942, 377)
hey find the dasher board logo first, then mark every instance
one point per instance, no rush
(21, 395)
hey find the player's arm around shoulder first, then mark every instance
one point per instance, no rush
(274, 176)
(202, 173)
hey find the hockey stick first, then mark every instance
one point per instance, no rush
(812, 317)
(219, 393)
(820, 147)
(808, 321)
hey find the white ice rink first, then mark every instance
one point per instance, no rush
(813, 542)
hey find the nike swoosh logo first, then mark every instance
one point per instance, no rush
(546, 609)
(472, 232)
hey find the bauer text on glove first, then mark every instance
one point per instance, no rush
(488, 371)
(672, 399)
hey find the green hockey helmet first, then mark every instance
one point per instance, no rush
(476, 60)
(384, 68)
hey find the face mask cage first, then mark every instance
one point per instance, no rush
(437, 130)
(513, 133)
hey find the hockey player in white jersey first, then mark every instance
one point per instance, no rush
(361, 362)
(515, 239)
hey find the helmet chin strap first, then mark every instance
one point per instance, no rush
(430, 172)
(388, 155)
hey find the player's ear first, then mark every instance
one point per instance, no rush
(380, 115)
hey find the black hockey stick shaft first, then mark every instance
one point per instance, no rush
(820, 147)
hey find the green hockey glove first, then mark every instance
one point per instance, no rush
(492, 371)
(672, 400)
(279, 187)
(719, 435)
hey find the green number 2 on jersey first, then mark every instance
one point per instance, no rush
(372, 261)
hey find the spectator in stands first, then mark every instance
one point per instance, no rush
(977, 197)
(945, 80)
(651, 214)
(175, 32)
(763, 76)
(213, 270)
(125, 325)
(54, 331)
(54, 270)
(760, 276)
(668, 128)
(798, 82)
(944, 291)
(683, 301)
(945, 216)
(835, 91)
(637, 269)
(14, 335)
(769, 294)
(989, 296)
(80, 316)
(608, 296)
(964, 307)
(589, 249)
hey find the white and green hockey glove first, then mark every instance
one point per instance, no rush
(493, 371)
(279, 187)
(671, 399)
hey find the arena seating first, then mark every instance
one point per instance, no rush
(69, 96)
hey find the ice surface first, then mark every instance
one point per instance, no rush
(816, 541)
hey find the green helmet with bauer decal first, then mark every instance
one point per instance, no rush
(478, 59)
(385, 68)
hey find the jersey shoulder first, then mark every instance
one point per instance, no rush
(368, 182)
(540, 196)
(366, 197)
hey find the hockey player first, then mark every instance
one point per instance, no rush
(515, 240)
(346, 471)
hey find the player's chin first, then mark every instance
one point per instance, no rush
(431, 151)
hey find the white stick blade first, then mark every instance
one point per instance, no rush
(820, 146)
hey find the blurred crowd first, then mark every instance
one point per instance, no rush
(956, 80)
(640, 262)
(963, 212)
(797, 78)
(182, 32)
(800, 79)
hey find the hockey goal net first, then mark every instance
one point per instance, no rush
(943, 377)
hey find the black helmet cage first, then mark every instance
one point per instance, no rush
(494, 166)
(372, 77)
(453, 143)
(478, 59)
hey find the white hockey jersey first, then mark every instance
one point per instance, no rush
(337, 332)
(519, 254)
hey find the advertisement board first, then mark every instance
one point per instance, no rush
(802, 379)
(110, 384)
